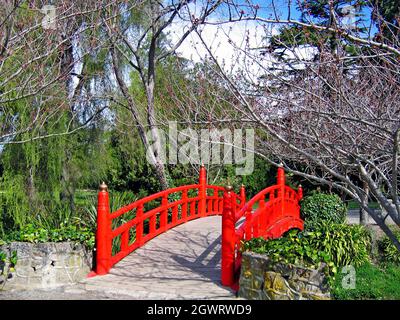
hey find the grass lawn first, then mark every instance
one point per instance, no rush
(372, 282)
(352, 205)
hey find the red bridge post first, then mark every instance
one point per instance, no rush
(242, 196)
(103, 232)
(202, 190)
(281, 183)
(300, 192)
(228, 240)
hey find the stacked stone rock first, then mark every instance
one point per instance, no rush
(263, 279)
(46, 265)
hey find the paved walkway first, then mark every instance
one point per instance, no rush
(183, 263)
(353, 217)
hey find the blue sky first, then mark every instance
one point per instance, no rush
(267, 9)
(218, 37)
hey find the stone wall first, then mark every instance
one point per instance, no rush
(263, 279)
(47, 265)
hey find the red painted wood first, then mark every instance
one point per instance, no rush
(242, 196)
(103, 240)
(202, 191)
(228, 240)
(139, 226)
(164, 212)
(273, 217)
(125, 241)
(277, 211)
(195, 205)
(184, 205)
(174, 214)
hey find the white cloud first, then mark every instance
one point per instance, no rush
(236, 46)
(225, 41)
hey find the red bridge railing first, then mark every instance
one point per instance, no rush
(134, 225)
(269, 214)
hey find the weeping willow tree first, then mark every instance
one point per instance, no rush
(46, 144)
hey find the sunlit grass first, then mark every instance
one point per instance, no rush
(372, 282)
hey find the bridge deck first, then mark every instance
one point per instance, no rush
(183, 263)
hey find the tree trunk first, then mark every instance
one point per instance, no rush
(66, 64)
(160, 172)
(154, 150)
(364, 213)
(31, 186)
(385, 229)
(157, 147)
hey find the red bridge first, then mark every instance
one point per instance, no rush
(269, 214)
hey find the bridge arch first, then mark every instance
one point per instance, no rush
(268, 214)
(149, 217)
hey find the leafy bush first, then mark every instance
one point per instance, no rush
(11, 261)
(294, 247)
(7, 266)
(335, 244)
(320, 207)
(31, 233)
(390, 253)
(372, 282)
(345, 244)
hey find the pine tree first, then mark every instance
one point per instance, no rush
(386, 14)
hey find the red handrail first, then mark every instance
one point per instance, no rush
(206, 200)
(278, 211)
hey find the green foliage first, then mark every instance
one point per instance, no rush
(386, 16)
(14, 204)
(345, 244)
(12, 260)
(117, 201)
(320, 207)
(320, 10)
(263, 176)
(390, 254)
(295, 247)
(293, 36)
(40, 177)
(33, 234)
(7, 266)
(128, 168)
(354, 205)
(334, 244)
(372, 282)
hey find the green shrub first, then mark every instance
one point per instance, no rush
(335, 244)
(390, 254)
(31, 233)
(320, 207)
(295, 247)
(345, 244)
